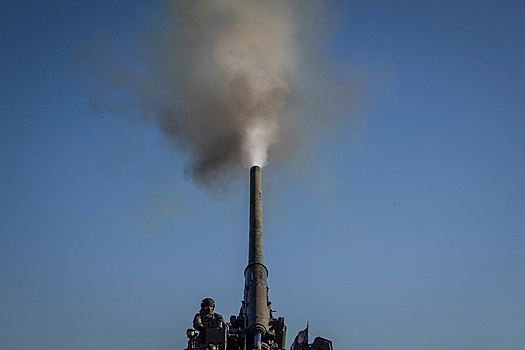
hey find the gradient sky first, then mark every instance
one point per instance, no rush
(403, 228)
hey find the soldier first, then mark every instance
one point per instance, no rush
(207, 318)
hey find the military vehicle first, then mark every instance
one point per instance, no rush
(255, 327)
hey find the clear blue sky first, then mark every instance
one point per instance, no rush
(405, 230)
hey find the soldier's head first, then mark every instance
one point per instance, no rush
(207, 306)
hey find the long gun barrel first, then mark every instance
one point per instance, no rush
(257, 304)
(254, 328)
(260, 326)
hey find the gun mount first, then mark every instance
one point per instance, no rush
(255, 327)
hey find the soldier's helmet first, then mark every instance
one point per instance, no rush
(207, 302)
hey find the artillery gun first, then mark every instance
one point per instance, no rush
(255, 328)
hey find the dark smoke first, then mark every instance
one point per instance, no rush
(227, 80)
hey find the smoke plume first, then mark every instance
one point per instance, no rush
(225, 80)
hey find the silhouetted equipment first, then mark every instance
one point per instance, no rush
(301, 342)
(255, 327)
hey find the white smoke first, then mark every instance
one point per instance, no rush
(222, 78)
(257, 56)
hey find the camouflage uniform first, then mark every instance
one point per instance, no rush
(208, 318)
(212, 320)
